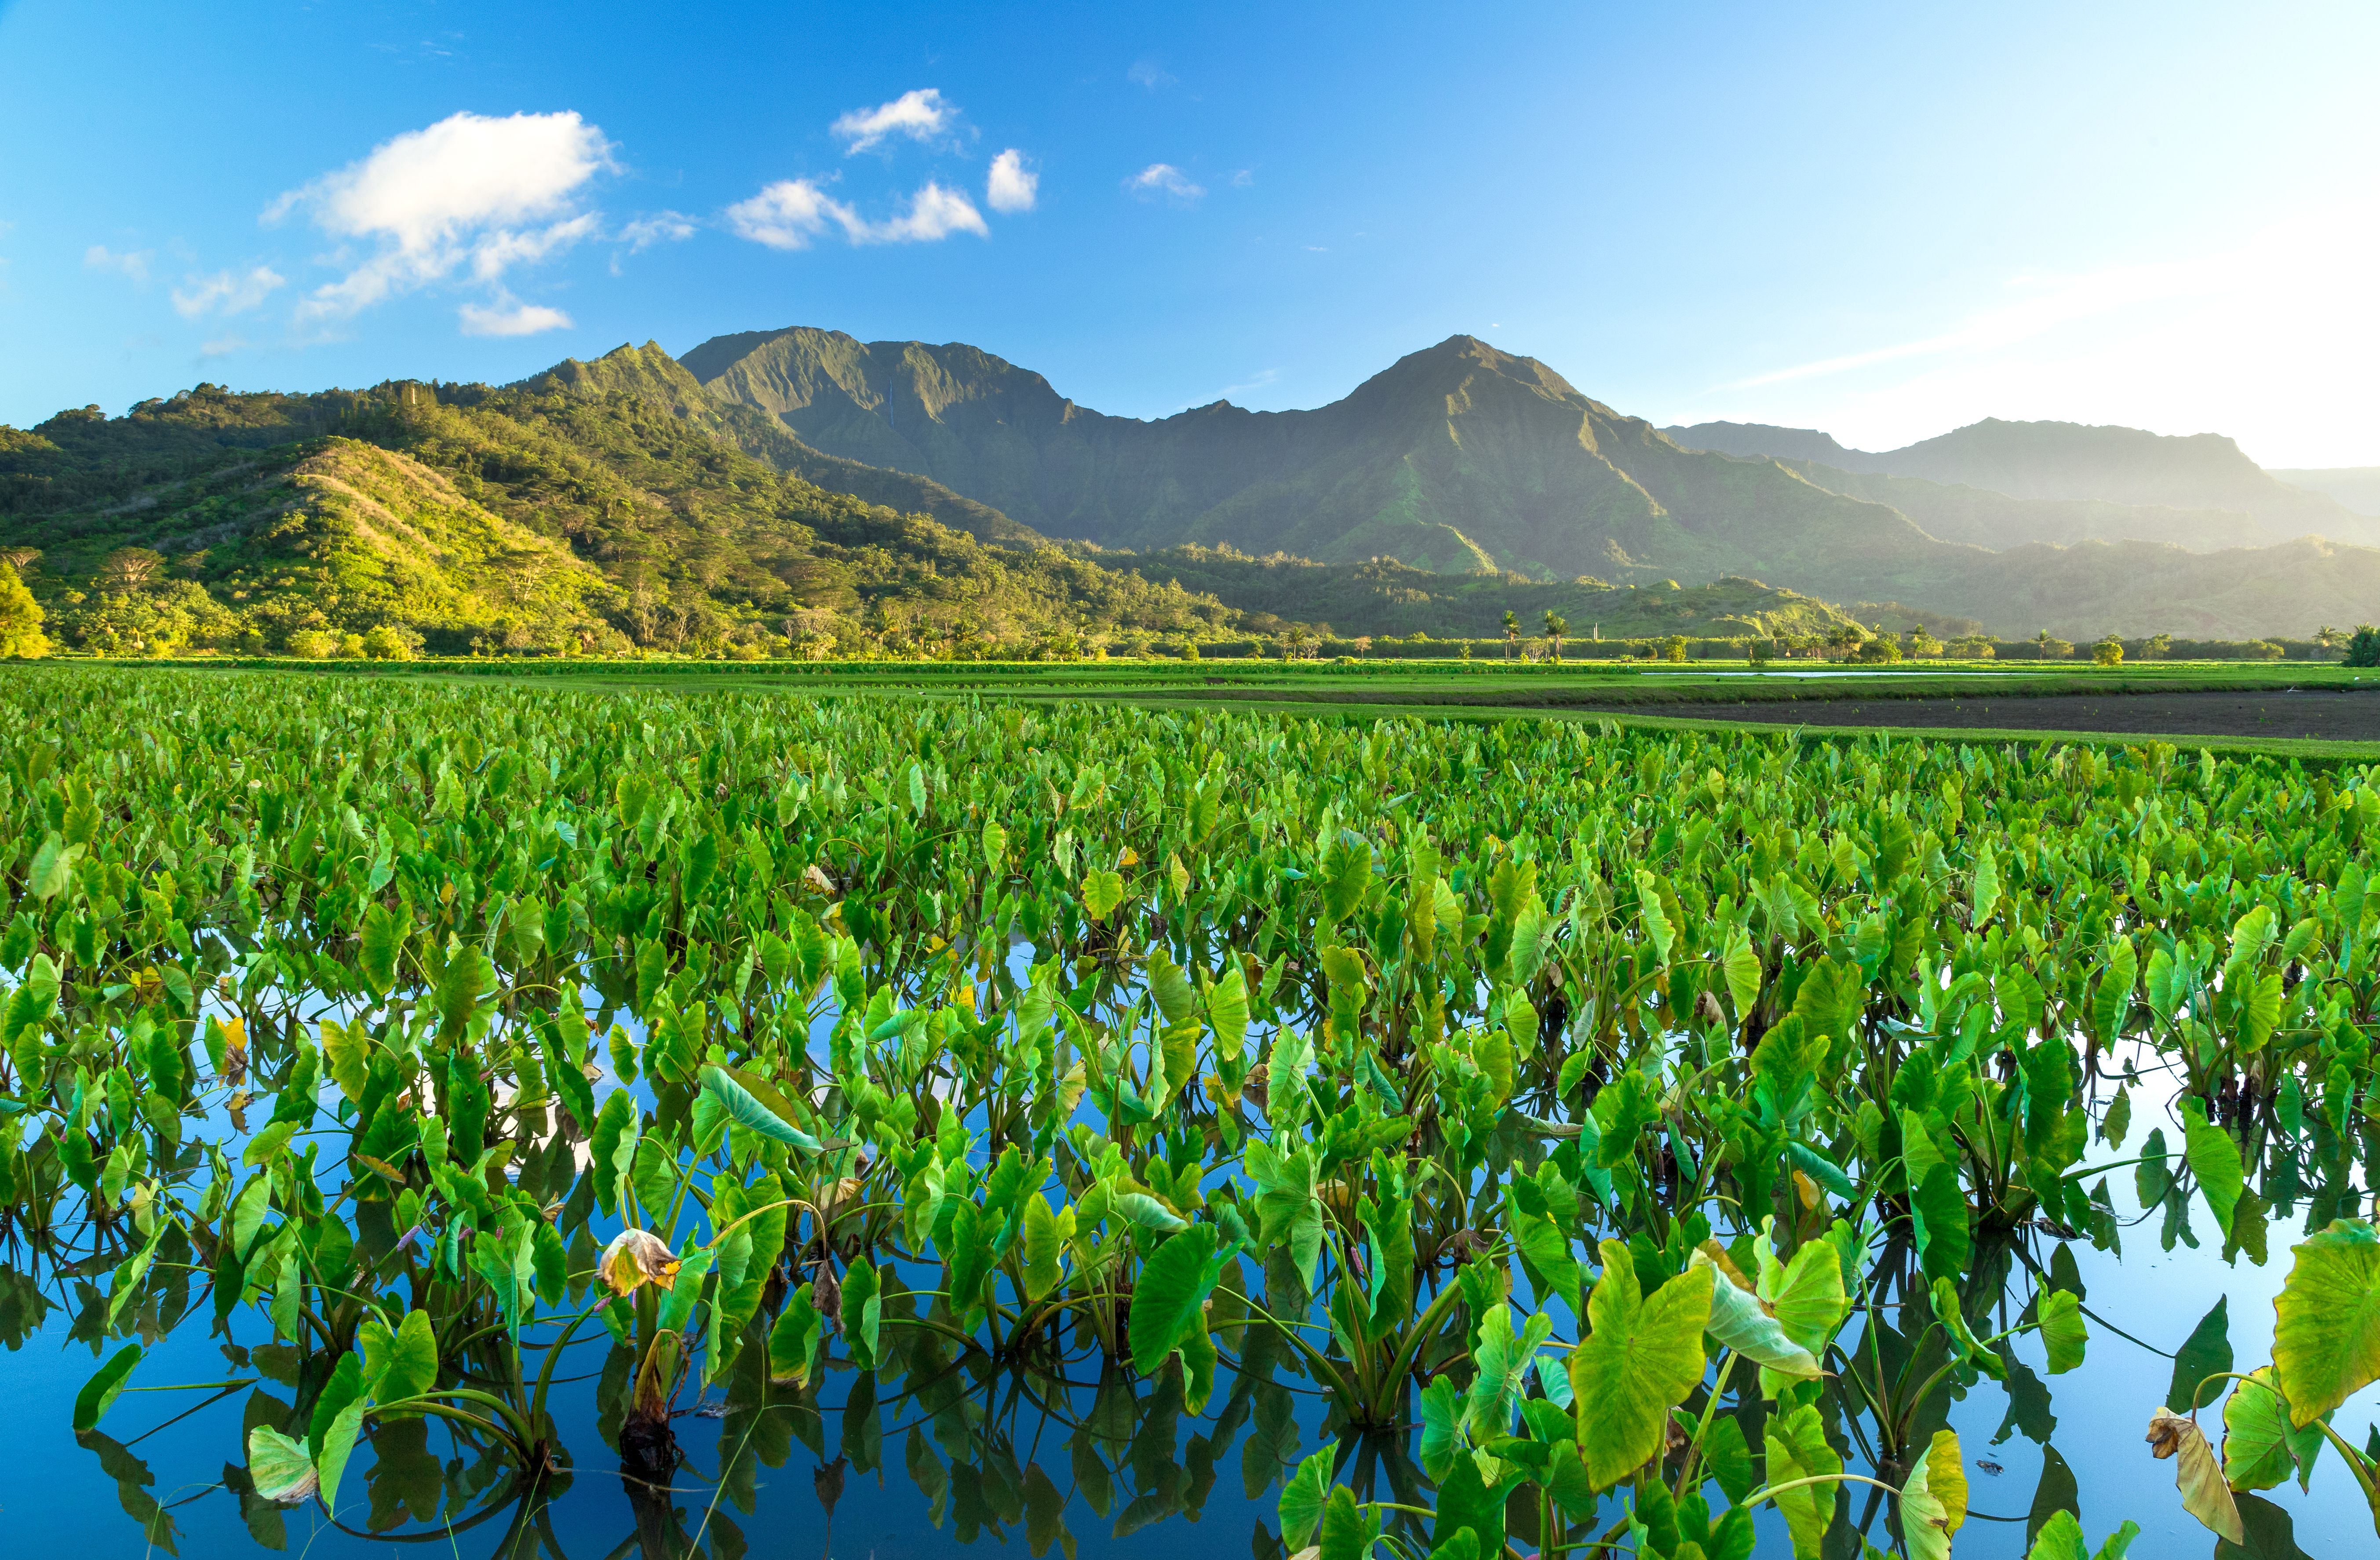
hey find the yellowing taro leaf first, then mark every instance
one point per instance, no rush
(2203, 1494)
(1807, 1293)
(1640, 1362)
(279, 1467)
(1798, 1448)
(2259, 1448)
(1934, 1499)
(2326, 1342)
(1740, 1321)
(636, 1257)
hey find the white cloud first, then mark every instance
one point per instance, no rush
(935, 213)
(1012, 187)
(1148, 73)
(920, 114)
(507, 317)
(99, 257)
(790, 212)
(1164, 178)
(469, 189)
(225, 293)
(662, 227)
(1244, 178)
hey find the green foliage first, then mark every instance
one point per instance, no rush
(733, 1043)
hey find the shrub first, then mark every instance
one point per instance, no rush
(313, 644)
(21, 617)
(2109, 651)
(2363, 649)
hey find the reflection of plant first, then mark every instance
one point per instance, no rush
(1666, 1123)
(2325, 1348)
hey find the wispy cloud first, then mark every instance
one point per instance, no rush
(660, 228)
(1012, 187)
(225, 292)
(791, 213)
(1149, 74)
(1260, 379)
(920, 114)
(1163, 179)
(469, 192)
(507, 316)
(135, 264)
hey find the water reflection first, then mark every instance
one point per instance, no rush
(1055, 1443)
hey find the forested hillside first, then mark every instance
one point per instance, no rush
(583, 511)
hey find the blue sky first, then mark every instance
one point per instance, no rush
(1881, 220)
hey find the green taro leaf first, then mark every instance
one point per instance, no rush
(1798, 1448)
(383, 939)
(1349, 1529)
(1742, 966)
(1172, 1287)
(2061, 1539)
(399, 1364)
(2260, 1447)
(2326, 1338)
(1640, 1361)
(1102, 892)
(1302, 1495)
(2206, 1352)
(1986, 886)
(2062, 1332)
(91, 1403)
(2214, 1158)
(736, 1094)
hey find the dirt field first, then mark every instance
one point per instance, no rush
(2329, 716)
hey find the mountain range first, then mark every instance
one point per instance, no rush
(799, 486)
(614, 505)
(1465, 457)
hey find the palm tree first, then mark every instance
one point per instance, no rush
(1556, 626)
(1511, 633)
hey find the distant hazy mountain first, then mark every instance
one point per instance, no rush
(2202, 476)
(1959, 513)
(1763, 438)
(2357, 487)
